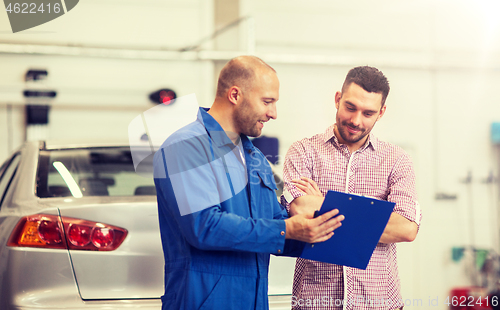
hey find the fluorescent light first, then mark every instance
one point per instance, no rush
(70, 182)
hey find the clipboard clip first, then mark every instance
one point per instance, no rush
(316, 213)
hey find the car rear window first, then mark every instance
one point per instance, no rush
(92, 172)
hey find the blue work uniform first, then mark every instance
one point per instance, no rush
(219, 219)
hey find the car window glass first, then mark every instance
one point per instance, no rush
(7, 176)
(91, 172)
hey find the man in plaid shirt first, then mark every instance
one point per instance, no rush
(348, 158)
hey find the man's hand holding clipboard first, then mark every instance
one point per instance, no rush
(352, 244)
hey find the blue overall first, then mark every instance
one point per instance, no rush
(219, 219)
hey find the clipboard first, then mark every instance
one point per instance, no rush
(353, 243)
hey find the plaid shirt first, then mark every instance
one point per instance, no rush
(379, 170)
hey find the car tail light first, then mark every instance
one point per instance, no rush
(79, 235)
(50, 231)
(102, 237)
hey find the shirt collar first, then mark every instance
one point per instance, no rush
(329, 135)
(213, 128)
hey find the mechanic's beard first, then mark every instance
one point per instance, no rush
(242, 122)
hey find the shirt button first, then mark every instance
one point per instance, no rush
(249, 151)
(279, 251)
(282, 233)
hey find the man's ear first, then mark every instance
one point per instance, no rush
(338, 95)
(234, 94)
(382, 111)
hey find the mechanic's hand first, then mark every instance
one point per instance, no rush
(319, 229)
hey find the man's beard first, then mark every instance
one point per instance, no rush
(245, 121)
(347, 137)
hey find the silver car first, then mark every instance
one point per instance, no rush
(79, 230)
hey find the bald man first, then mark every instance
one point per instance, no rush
(218, 211)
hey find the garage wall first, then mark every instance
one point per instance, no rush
(441, 57)
(99, 94)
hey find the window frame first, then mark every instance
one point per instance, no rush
(15, 159)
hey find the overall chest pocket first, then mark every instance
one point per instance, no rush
(267, 180)
(263, 194)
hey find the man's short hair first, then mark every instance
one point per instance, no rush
(239, 71)
(370, 79)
